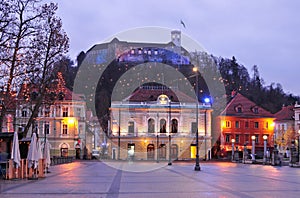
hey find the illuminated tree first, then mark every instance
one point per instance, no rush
(32, 41)
(284, 138)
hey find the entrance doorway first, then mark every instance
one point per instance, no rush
(150, 152)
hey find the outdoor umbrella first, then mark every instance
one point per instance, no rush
(33, 153)
(15, 152)
(47, 154)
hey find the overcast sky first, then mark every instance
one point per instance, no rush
(257, 32)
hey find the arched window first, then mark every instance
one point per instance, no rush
(162, 126)
(151, 125)
(174, 128)
(64, 150)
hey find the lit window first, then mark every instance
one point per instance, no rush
(228, 124)
(132, 51)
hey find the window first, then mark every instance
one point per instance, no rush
(78, 112)
(174, 127)
(267, 125)
(227, 138)
(24, 113)
(256, 125)
(237, 124)
(162, 126)
(246, 138)
(47, 111)
(255, 110)
(228, 124)
(246, 124)
(237, 138)
(239, 109)
(150, 125)
(131, 127)
(194, 127)
(65, 129)
(65, 111)
(46, 128)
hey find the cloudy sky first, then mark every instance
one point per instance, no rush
(257, 32)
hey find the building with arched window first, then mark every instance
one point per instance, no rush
(152, 124)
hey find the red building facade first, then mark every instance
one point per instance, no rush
(242, 119)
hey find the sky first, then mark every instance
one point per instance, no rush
(265, 33)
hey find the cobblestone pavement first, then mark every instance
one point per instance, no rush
(216, 179)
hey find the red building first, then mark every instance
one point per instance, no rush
(242, 119)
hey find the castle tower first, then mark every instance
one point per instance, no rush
(176, 37)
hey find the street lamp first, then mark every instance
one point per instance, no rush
(119, 134)
(265, 137)
(197, 165)
(232, 151)
(253, 147)
(157, 150)
(170, 130)
(299, 147)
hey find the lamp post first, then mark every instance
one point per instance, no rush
(170, 130)
(119, 134)
(299, 147)
(253, 147)
(232, 151)
(197, 165)
(157, 150)
(245, 151)
(265, 137)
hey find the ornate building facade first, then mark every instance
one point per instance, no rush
(152, 124)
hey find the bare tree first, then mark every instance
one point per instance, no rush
(34, 41)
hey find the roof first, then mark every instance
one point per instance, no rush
(151, 93)
(243, 107)
(286, 113)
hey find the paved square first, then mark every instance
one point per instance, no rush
(216, 179)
